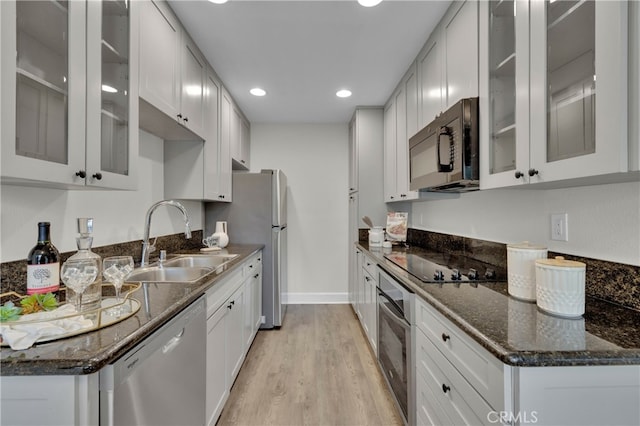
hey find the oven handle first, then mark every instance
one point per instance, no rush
(399, 320)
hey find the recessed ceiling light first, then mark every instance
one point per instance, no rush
(256, 91)
(366, 3)
(344, 93)
(218, 1)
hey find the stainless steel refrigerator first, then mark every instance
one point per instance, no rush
(258, 215)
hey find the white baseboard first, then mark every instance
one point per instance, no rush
(315, 298)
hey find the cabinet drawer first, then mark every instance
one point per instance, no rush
(482, 370)
(429, 411)
(252, 266)
(452, 396)
(371, 267)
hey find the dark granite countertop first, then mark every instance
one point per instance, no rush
(89, 352)
(518, 333)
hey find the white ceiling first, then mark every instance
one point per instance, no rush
(301, 52)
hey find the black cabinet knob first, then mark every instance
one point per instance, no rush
(186, 119)
(256, 275)
(97, 176)
(179, 116)
(445, 388)
(518, 174)
(81, 174)
(445, 337)
(532, 172)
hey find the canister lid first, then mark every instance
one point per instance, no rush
(560, 262)
(525, 245)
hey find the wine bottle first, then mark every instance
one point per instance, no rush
(43, 264)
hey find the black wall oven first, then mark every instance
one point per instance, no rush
(395, 317)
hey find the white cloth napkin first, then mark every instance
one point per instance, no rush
(23, 336)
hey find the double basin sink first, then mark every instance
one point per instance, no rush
(185, 268)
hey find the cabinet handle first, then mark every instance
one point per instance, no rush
(97, 176)
(220, 196)
(242, 161)
(445, 388)
(186, 119)
(445, 337)
(367, 278)
(256, 275)
(81, 174)
(518, 174)
(533, 172)
(391, 197)
(179, 116)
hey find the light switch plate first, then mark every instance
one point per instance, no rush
(559, 227)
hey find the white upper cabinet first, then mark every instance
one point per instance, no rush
(541, 120)
(239, 138)
(172, 75)
(112, 110)
(69, 109)
(400, 122)
(194, 73)
(160, 57)
(430, 80)
(460, 43)
(197, 170)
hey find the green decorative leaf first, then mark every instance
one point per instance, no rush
(9, 312)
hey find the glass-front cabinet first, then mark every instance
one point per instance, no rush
(543, 63)
(67, 104)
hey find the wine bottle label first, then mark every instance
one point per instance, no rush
(43, 278)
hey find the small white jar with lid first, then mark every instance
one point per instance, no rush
(521, 269)
(560, 286)
(376, 236)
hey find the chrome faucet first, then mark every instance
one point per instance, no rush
(147, 247)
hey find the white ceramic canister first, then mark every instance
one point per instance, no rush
(221, 234)
(376, 236)
(560, 286)
(521, 269)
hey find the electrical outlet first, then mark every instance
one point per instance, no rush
(559, 227)
(263, 319)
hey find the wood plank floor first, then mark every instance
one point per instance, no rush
(316, 370)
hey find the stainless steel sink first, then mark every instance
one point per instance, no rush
(199, 260)
(169, 274)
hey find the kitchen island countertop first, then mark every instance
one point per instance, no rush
(520, 334)
(88, 353)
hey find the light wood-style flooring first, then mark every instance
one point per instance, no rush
(316, 370)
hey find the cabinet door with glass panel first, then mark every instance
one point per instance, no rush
(112, 94)
(504, 85)
(578, 89)
(43, 91)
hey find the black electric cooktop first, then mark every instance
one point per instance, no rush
(445, 268)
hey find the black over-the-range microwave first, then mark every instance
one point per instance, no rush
(443, 156)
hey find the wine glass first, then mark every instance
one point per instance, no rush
(78, 274)
(116, 270)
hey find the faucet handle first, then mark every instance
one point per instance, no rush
(152, 246)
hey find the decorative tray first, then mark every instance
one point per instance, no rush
(65, 321)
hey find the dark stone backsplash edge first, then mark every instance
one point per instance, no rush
(613, 282)
(13, 275)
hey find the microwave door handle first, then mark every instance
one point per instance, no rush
(444, 168)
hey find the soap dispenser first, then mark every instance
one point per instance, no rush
(93, 294)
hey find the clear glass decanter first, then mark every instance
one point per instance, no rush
(93, 294)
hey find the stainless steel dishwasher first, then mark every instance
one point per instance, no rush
(162, 380)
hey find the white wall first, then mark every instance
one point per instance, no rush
(315, 159)
(604, 220)
(118, 215)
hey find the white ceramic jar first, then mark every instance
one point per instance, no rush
(560, 286)
(521, 270)
(376, 236)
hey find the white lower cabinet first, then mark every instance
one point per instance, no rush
(231, 307)
(366, 294)
(459, 382)
(50, 400)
